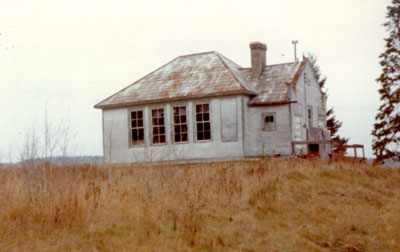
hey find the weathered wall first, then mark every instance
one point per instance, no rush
(237, 129)
(259, 142)
(116, 138)
(306, 93)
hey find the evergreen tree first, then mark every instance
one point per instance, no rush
(333, 124)
(386, 132)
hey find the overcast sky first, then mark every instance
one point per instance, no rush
(73, 54)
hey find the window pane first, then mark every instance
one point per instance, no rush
(179, 122)
(162, 139)
(184, 137)
(176, 129)
(184, 128)
(137, 131)
(198, 108)
(155, 121)
(158, 125)
(207, 126)
(206, 117)
(176, 119)
(200, 135)
(183, 118)
(200, 127)
(141, 134)
(155, 139)
(207, 135)
(202, 122)
(134, 135)
(269, 122)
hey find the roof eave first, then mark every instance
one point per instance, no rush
(299, 71)
(272, 103)
(129, 104)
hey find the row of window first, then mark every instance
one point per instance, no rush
(180, 132)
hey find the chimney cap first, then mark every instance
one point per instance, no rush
(258, 45)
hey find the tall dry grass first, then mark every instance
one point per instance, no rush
(233, 206)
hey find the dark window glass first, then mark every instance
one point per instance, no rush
(183, 118)
(162, 138)
(158, 125)
(207, 126)
(200, 135)
(203, 124)
(137, 129)
(180, 123)
(134, 135)
(184, 137)
(269, 122)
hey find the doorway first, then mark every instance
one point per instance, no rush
(313, 149)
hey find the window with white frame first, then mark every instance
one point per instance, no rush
(158, 125)
(269, 121)
(180, 124)
(203, 124)
(137, 128)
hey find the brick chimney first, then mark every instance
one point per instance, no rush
(258, 58)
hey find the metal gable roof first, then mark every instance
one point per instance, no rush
(207, 74)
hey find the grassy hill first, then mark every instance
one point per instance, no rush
(232, 206)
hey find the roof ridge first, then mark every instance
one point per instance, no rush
(245, 68)
(243, 83)
(194, 54)
(225, 58)
(298, 72)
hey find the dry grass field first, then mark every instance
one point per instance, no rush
(232, 206)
